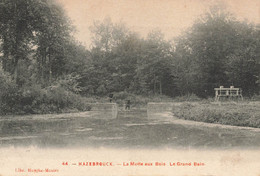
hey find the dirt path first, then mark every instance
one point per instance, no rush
(170, 118)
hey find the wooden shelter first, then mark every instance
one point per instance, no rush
(230, 93)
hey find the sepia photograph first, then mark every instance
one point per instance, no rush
(129, 87)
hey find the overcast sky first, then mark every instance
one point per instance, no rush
(142, 16)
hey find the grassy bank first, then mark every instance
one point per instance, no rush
(137, 101)
(228, 113)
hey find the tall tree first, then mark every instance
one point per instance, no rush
(217, 46)
(33, 26)
(155, 64)
(107, 35)
(16, 32)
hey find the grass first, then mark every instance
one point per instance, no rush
(228, 113)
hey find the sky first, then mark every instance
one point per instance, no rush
(172, 17)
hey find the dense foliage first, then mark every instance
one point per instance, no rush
(218, 50)
(43, 69)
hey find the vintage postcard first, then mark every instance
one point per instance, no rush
(129, 88)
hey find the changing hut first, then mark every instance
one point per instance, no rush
(230, 92)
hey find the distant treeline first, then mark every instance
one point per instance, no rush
(41, 60)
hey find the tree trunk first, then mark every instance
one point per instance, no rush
(4, 66)
(15, 69)
(154, 84)
(160, 87)
(6, 56)
(50, 71)
(43, 58)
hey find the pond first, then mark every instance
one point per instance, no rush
(131, 129)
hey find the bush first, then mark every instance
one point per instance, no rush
(31, 98)
(55, 99)
(8, 93)
(69, 82)
(255, 98)
(238, 114)
(35, 100)
(188, 97)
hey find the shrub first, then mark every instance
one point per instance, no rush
(8, 93)
(35, 100)
(255, 98)
(239, 114)
(69, 82)
(188, 97)
(57, 99)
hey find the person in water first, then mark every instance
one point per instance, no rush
(127, 105)
(110, 97)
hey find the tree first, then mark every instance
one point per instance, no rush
(155, 64)
(213, 51)
(52, 39)
(30, 27)
(16, 32)
(104, 73)
(106, 35)
(243, 65)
